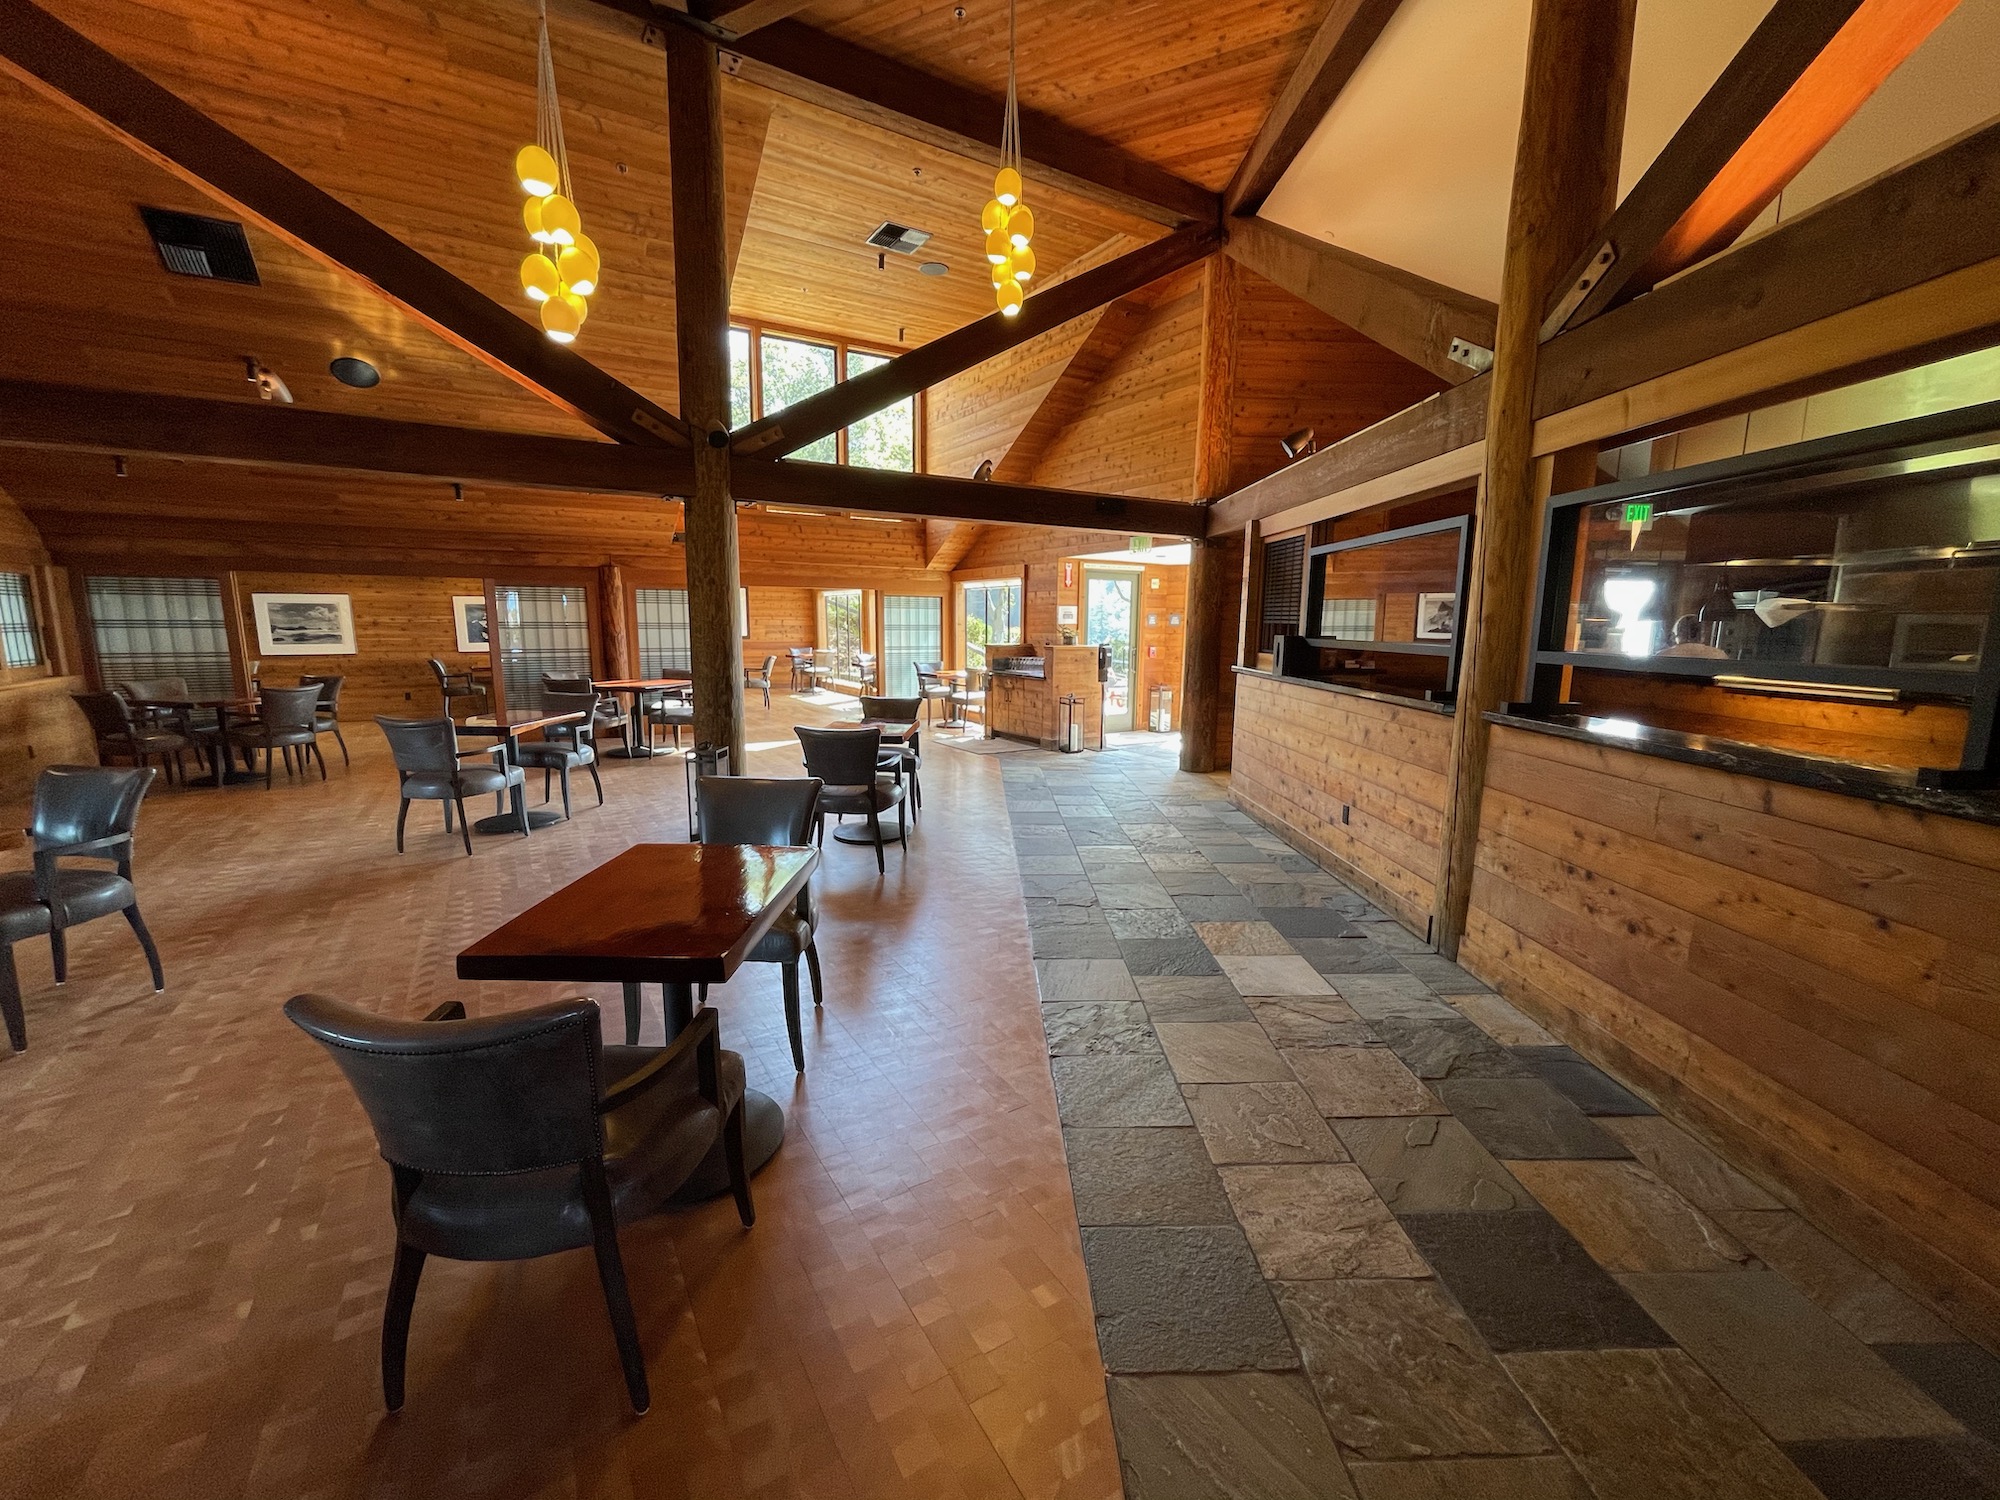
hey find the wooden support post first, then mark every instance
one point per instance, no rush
(1250, 609)
(701, 307)
(1202, 649)
(613, 631)
(1565, 186)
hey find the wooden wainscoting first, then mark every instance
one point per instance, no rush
(1354, 780)
(1812, 979)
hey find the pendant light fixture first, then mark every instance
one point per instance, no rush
(564, 271)
(1008, 222)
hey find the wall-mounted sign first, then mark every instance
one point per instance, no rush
(1173, 619)
(1152, 619)
(1638, 511)
(1065, 614)
(1069, 576)
(1142, 544)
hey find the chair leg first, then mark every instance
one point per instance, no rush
(617, 1297)
(403, 1277)
(547, 772)
(10, 1000)
(314, 748)
(464, 823)
(789, 974)
(402, 816)
(631, 1015)
(565, 792)
(146, 942)
(596, 781)
(875, 832)
(270, 761)
(59, 955)
(812, 968)
(903, 824)
(739, 1175)
(521, 805)
(338, 740)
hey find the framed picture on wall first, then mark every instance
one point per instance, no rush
(468, 613)
(1437, 616)
(304, 624)
(1065, 614)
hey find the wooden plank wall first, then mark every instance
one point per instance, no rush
(1158, 644)
(399, 624)
(779, 620)
(39, 725)
(1357, 783)
(1809, 977)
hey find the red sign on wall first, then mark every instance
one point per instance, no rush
(1069, 575)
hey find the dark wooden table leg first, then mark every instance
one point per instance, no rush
(631, 1014)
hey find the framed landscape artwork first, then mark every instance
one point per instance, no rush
(304, 624)
(1437, 616)
(468, 613)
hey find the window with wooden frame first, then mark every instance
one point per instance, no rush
(20, 634)
(773, 367)
(841, 609)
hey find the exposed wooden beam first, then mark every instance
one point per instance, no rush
(79, 419)
(1345, 34)
(64, 65)
(1399, 310)
(801, 63)
(850, 400)
(741, 17)
(1806, 69)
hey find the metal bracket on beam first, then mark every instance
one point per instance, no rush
(1604, 260)
(1475, 357)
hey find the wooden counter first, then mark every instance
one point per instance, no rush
(1027, 708)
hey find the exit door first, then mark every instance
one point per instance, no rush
(1108, 598)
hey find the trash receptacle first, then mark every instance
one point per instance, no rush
(1160, 710)
(704, 760)
(1069, 735)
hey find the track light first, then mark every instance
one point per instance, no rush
(985, 469)
(1298, 444)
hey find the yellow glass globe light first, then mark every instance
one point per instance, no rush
(538, 277)
(560, 219)
(1022, 264)
(536, 171)
(1010, 296)
(1007, 187)
(581, 308)
(1020, 227)
(579, 266)
(997, 248)
(531, 220)
(993, 216)
(560, 320)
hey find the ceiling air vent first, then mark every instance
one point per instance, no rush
(190, 245)
(899, 238)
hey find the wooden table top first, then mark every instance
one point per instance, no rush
(630, 684)
(231, 701)
(892, 729)
(658, 913)
(517, 721)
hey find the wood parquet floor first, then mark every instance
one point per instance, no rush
(194, 1228)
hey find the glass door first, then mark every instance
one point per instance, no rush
(912, 631)
(1107, 621)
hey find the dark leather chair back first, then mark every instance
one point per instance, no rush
(109, 715)
(422, 745)
(770, 666)
(156, 690)
(289, 708)
(757, 809)
(570, 701)
(840, 757)
(76, 804)
(510, 1093)
(892, 710)
(563, 682)
(329, 692)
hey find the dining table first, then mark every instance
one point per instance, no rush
(506, 727)
(222, 707)
(675, 915)
(636, 689)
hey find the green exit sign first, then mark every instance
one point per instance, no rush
(1142, 544)
(1637, 511)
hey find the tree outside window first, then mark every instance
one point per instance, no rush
(992, 618)
(888, 439)
(843, 627)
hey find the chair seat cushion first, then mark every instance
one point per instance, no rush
(259, 736)
(785, 943)
(651, 1147)
(83, 894)
(21, 915)
(473, 781)
(884, 794)
(556, 754)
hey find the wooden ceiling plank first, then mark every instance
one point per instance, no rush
(1068, 395)
(741, 17)
(1399, 310)
(70, 69)
(79, 419)
(1345, 35)
(795, 60)
(947, 542)
(1805, 70)
(850, 400)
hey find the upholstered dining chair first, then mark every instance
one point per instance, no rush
(121, 736)
(521, 1135)
(671, 710)
(846, 760)
(762, 678)
(455, 686)
(932, 688)
(801, 660)
(902, 761)
(760, 810)
(606, 713)
(571, 751)
(79, 812)
(326, 719)
(287, 721)
(431, 769)
(865, 671)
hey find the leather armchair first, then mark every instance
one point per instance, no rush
(762, 678)
(521, 1135)
(288, 721)
(326, 720)
(119, 735)
(847, 761)
(431, 768)
(905, 760)
(453, 686)
(80, 812)
(756, 810)
(931, 688)
(576, 750)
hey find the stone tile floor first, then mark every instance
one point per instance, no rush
(1356, 1226)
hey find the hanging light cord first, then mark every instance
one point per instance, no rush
(1010, 127)
(548, 109)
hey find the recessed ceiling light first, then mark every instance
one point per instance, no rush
(934, 268)
(355, 372)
